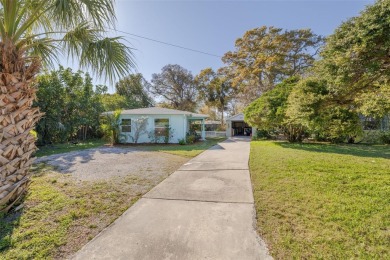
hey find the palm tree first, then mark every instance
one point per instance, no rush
(34, 33)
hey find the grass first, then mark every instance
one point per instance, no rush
(68, 147)
(188, 150)
(61, 214)
(322, 201)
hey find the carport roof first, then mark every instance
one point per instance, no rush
(238, 117)
(159, 111)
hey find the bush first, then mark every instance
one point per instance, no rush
(182, 141)
(155, 138)
(190, 138)
(168, 134)
(385, 138)
(261, 135)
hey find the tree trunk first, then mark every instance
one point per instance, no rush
(222, 122)
(17, 119)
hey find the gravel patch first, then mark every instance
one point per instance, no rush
(104, 163)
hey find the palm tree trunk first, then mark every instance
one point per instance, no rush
(17, 119)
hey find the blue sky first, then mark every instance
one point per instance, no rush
(213, 26)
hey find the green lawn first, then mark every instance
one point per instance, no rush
(188, 150)
(322, 201)
(68, 147)
(60, 214)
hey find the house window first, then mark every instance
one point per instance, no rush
(126, 125)
(161, 126)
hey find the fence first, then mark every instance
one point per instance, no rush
(215, 134)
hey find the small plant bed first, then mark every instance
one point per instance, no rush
(68, 147)
(322, 201)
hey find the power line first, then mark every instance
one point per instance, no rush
(167, 43)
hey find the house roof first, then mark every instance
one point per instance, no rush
(159, 111)
(238, 117)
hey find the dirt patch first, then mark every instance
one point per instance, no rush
(105, 163)
(74, 196)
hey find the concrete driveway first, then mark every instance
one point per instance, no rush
(202, 211)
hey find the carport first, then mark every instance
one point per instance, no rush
(236, 126)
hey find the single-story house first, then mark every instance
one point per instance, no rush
(236, 126)
(154, 124)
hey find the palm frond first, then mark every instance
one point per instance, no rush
(75, 39)
(108, 57)
(75, 25)
(47, 49)
(69, 13)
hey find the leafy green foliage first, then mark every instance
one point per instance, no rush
(385, 137)
(305, 107)
(261, 135)
(71, 105)
(190, 138)
(112, 102)
(110, 126)
(355, 62)
(215, 89)
(45, 29)
(268, 113)
(182, 141)
(350, 81)
(133, 89)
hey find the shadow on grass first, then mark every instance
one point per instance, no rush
(8, 222)
(375, 151)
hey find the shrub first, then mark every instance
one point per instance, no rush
(168, 134)
(385, 137)
(190, 138)
(154, 138)
(182, 141)
(110, 126)
(261, 135)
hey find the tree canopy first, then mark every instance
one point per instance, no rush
(134, 89)
(71, 104)
(268, 112)
(356, 62)
(349, 81)
(176, 86)
(215, 89)
(265, 56)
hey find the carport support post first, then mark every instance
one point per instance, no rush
(203, 130)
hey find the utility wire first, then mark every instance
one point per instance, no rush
(166, 43)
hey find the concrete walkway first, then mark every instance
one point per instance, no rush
(202, 211)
